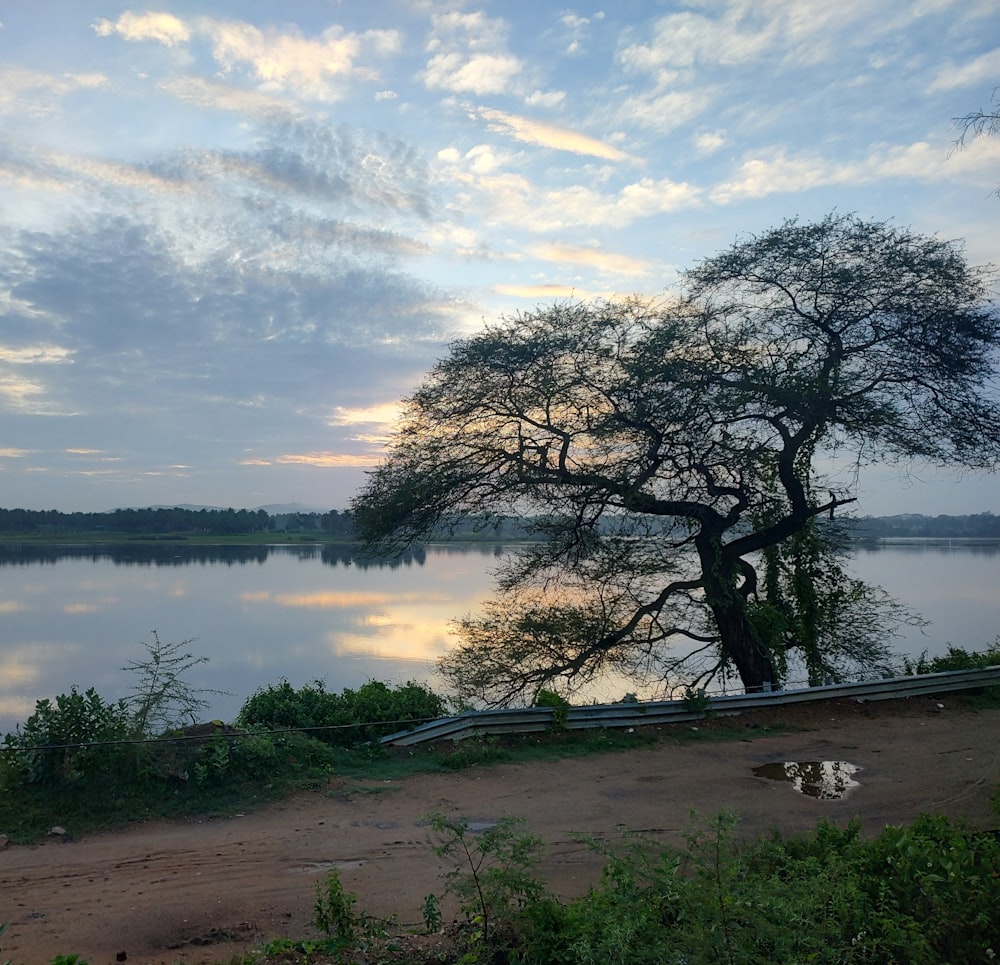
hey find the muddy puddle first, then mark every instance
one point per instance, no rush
(824, 780)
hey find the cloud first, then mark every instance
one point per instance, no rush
(200, 92)
(984, 69)
(664, 112)
(469, 55)
(709, 142)
(682, 39)
(592, 257)
(23, 90)
(161, 27)
(327, 460)
(476, 74)
(548, 135)
(541, 292)
(313, 68)
(384, 413)
(515, 200)
(778, 172)
(545, 98)
(214, 296)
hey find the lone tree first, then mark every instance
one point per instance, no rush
(665, 451)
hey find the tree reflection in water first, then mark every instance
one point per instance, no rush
(825, 780)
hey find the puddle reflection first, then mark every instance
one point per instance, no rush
(825, 780)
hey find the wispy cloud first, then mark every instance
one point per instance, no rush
(983, 70)
(593, 256)
(549, 135)
(326, 460)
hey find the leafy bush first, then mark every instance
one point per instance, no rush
(351, 717)
(955, 659)
(559, 704)
(281, 705)
(922, 894)
(52, 747)
(227, 756)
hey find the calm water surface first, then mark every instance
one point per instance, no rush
(78, 615)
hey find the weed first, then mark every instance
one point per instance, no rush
(696, 701)
(493, 878)
(560, 707)
(161, 698)
(333, 912)
(431, 910)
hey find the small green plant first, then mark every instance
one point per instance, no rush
(696, 701)
(333, 913)
(493, 878)
(69, 960)
(560, 707)
(431, 910)
(956, 658)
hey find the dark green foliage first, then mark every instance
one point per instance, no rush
(351, 717)
(956, 659)
(922, 894)
(333, 913)
(47, 749)
(281, 705)
(559, 704)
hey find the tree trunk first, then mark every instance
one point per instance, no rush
(721, 578)
(738, 642)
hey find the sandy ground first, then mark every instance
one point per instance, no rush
(200, 891)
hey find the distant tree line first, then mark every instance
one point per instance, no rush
(147, 522)
(911, 525)
(163, 521)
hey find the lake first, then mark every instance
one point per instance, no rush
(78, 614)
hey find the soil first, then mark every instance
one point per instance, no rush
(204, 890)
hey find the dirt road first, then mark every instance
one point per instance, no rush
(200, 891)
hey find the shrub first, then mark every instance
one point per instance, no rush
(922, 894)
(351, 717)
(281, 705)
(57, 743)
(494, 879)
(955, 659)
(559, 704)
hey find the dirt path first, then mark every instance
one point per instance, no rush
(198, 892)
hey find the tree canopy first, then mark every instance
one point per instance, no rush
(672, 448)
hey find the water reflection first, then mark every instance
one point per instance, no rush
(77, 614)
(824, 780)
(181, 553)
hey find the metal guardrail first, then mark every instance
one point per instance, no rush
(529, 720)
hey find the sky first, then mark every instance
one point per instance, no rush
(234, 233)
